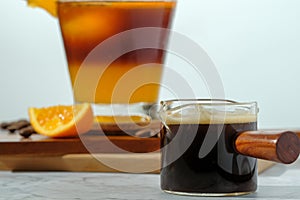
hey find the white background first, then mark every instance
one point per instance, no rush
(255, 45)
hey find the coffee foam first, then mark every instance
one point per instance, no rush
(210, 116)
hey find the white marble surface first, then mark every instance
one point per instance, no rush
(279, 182)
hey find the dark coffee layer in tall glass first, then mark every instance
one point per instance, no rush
(217, 168)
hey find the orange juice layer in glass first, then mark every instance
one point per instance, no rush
(84, 25)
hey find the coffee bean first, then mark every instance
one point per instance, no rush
(23, 121)
(17, 126)
(4, 125)
(23, 127)
(27, 131)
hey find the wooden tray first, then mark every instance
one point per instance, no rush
(40, 153)
(12, 144)
(134, 154)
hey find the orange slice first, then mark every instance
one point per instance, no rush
(48, 5)
(62, 121)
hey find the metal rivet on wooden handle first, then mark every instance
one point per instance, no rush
(278, 146)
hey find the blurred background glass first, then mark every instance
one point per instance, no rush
(254, 44)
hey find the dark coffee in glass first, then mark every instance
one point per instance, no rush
(198, 155)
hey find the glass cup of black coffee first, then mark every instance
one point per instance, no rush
(198, 155)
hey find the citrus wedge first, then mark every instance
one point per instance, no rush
(48, 5)
(62, 121)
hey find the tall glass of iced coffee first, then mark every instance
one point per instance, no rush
(115, 52)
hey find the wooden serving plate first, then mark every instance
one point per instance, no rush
(40, 153)
(70, 154)
(12, 144)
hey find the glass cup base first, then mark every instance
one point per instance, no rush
(135, 109)
(138, 119)
(208, 194)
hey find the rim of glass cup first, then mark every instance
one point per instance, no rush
(208, 102)
(166, 105)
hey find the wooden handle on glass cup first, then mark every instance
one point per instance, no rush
(278, 146)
